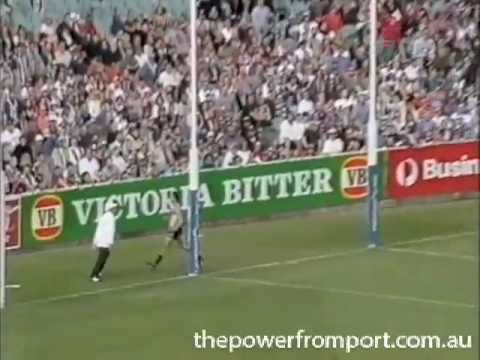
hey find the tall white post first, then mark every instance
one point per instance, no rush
(194, 258)
(3, 252)
(372, 136)
(372, 120)
(3, 239)
(194, 166)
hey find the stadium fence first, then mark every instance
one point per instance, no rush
(68, 216)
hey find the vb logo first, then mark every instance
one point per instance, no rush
(47, 217)
(354, 178)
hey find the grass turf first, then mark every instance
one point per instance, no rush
(137, 314)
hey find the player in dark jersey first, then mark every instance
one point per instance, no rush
(175, 230)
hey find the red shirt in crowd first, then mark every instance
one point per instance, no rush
(334, 21)
(43, 118)
(392, 31)
(19, 187)
(61, 183)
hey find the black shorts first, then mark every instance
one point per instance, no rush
(176, 234)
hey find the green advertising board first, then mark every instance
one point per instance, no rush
(229, 194)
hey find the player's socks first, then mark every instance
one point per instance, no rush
(159, 259)
(155, 264)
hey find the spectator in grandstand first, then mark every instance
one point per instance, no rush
(23, 153)
(332, 144)
(89, 165)
(291, 130)
(11, 135)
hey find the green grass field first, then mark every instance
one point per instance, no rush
(310, 272)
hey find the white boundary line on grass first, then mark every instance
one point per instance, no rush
(435, 254)
(233, 270)
(434, 238)
(344, 292)
(184, 277)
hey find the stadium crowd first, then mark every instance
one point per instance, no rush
(80, 105)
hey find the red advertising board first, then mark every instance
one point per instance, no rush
(434, 170)
(12, 224)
